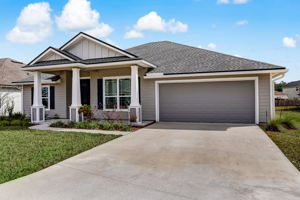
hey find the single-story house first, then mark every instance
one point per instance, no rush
(161, 81)
(292, 90)
(10, 70)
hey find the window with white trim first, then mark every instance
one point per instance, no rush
(46, 97)
(117, 93)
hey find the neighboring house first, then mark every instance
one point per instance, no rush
(10, 70)
(280, 95)
(292, 90)
(161, 81)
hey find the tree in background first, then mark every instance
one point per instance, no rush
(278, 86)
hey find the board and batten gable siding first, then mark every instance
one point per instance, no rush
(87, 49)
(60, 99)
(52, 56)
(148, 95)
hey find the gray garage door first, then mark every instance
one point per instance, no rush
(216, 102)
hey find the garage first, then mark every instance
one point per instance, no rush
(211, 102)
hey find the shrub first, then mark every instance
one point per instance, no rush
(273, 125)
(16, 122)
(94, 125)
(71, 124)
(4, 123)
(83, 125)
(287, 122)
(17, 116)
(106, 126)
(121, 126)
(58, 124)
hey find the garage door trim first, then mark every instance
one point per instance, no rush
(254, 78)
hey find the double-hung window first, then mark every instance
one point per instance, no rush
(46, 97)
(117, 93)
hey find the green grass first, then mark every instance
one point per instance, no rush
(288, 140)
(26, 151)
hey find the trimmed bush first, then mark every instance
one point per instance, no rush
(16, 122)
(93, 125)
(4, 123)
(17, 116)
(58, 124)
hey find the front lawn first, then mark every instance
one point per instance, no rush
(23, 152)
(288, 140)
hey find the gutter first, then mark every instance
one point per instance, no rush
(161, 75)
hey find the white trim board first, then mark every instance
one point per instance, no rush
(141, 63)
(46, 52)
(255, 79)
(117, 96)
(161, 75)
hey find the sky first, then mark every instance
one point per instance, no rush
(263, 30)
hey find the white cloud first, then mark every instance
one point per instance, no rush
(289, 42)
(237, 55)
(153, 22)
(78, 15)
(232, 1)
(200, 46)
(133, 34)
(241, 1)
(242, 22)
(223, 1)
(33, 25)
(109, 41)
(212, 46)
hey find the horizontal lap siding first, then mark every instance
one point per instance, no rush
(60, 99)
(148, 95)
(264, 98)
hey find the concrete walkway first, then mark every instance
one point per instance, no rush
(169, 161)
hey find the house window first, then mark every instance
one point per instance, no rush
(117, 93)
(46, 97)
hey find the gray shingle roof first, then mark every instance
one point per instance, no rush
(293, 84)
(86, 61)
(174, 58)
(10, 70)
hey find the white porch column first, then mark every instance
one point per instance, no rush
(135, 113)
(37, 108)
(76, 96)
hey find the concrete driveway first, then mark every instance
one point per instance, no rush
(169, 161)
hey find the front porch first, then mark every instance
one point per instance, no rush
(112, 92)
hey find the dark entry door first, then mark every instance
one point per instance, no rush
(85, 91)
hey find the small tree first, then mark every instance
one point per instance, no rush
(9, 107)
(4, 98)
(278, 86)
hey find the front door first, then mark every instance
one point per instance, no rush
(85, 91)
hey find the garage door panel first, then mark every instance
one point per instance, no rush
(218, 102)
